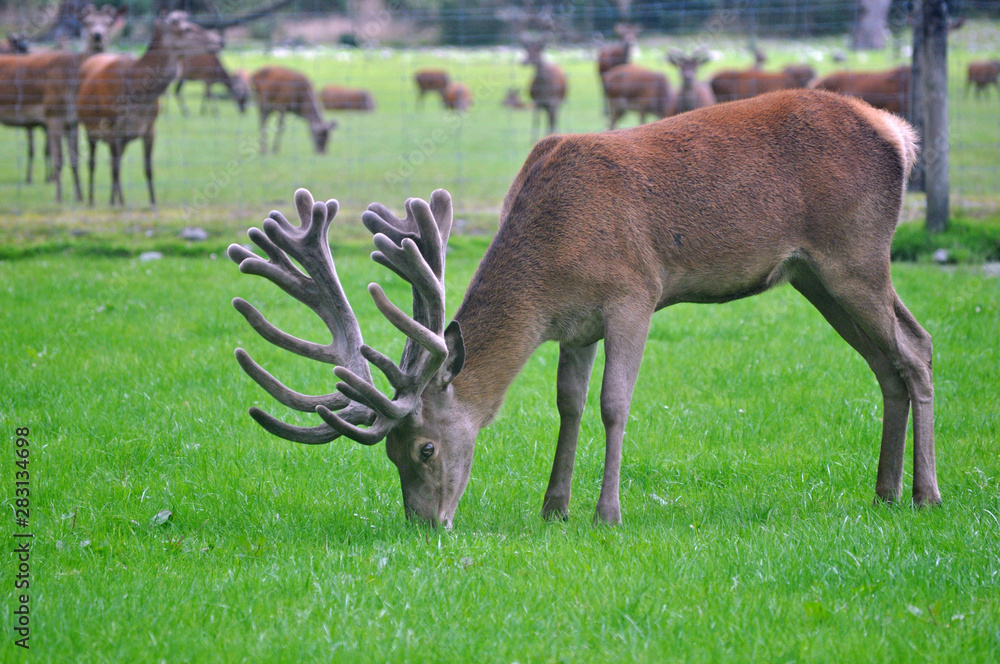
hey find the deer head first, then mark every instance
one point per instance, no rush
(421, 413)
(179, 36)
(98, 26)
(321, 134)
(688, 66)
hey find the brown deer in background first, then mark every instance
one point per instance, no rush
(457, 96)
(615, 55)
(40, 90)
(597, 232)
(337, 98)
(119, 98)
(733, 84)
(633, 88)
(548, 87)
(983, 74)
(693, 93)
(430, 80)
(281, 90)
(207, 68)
(889, 90)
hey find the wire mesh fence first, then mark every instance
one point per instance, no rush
(213, 158)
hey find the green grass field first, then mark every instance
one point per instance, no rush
(750, 456)
(749, 471)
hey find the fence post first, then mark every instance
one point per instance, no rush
(934, 81)
(916, 105)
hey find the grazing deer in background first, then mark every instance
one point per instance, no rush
(337, 98)
(457, 96)
(281, 90)
(597, 232)
(40, 90)
(119, 96)
(207, 67)
(733, 84)
(633, 88)
(693, 93)
(548, 87)
(983, 74)
(888, 90)
(430, 80)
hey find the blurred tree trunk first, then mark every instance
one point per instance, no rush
(872, 24)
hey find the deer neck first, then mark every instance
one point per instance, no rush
(154, 71)
(500, 329)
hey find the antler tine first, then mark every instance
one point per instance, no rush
(319, 289)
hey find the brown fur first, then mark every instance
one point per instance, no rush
(337, 98)
(282, 90)
(888, 90)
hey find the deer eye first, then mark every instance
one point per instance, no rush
(426, 451)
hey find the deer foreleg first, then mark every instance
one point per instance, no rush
(73, 146)
(575, 365)
(116, 148)
(147, 159)
(92, 145)
(264, 115)
(277, 132)
(53, 145)
(624, 342)
(31, 153)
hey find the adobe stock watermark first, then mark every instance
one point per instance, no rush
(22, 538)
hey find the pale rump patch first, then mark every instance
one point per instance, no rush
(894, 129)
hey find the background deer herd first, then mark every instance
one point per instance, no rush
(116, 97)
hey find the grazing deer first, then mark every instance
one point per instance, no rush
(207, 67)
(337, 98)
(983, 74)
(457, 96)
(430, 80)
(733, 84)
(693, 93)
(598, 232)
(633, 88)
(888, 90)
(119, 96)
(281, 90)
(548, 87)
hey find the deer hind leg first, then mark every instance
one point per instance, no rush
(277, 132)
(91, 158)
(624, 342)
(53, 130)
(575, 365)
(868, 314)
(73, 147)
(116, 147)
(147, 159)
(31, 153)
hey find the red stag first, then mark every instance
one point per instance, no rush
(598, 232)
(457, 96)
(693, 93)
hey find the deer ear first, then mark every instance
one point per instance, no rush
(456, 354)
